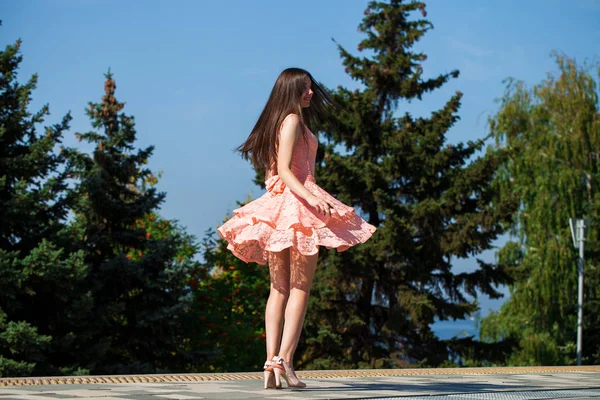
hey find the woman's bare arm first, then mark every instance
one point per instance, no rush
(290, 131)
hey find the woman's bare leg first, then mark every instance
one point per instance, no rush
(279, 270)
(302, 271)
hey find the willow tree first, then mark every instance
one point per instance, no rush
(552, 132)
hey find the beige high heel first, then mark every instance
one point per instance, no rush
(280, 368)
(270, 381)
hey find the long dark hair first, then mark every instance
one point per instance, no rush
(261, 145)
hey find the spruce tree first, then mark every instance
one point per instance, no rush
(41, 300)
(138, 280)
(373, 305)
(552, 131)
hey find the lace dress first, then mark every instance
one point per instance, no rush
(280, 219)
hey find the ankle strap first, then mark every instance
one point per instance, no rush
(278, 360)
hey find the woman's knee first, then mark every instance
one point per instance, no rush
(278, 301)
(280, 290)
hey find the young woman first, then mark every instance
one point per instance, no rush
(286, 226)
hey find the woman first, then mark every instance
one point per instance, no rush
(286, 226)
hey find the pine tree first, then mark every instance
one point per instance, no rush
(138, 281)
(373, 305)
(552, 132)
(41, 302)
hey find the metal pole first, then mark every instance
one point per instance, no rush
(581, 224)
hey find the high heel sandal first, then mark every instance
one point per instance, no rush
(280, 368)
(270, 376)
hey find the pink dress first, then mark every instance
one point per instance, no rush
(280, 219)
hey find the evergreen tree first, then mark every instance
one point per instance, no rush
(138, 281)
(41, 301)
(552, 132)
(373, 305)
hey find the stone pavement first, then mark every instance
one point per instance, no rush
(431, 384)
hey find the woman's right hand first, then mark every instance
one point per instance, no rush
(323, 207)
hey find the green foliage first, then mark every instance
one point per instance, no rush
(108, 291)
(373, 306)
(230, 297)
(552, 132)
(41, 301)
(24, 343)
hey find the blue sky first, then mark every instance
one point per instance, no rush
(195, 74)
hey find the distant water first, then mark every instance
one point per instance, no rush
(458, 328)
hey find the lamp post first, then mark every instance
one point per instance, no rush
(578, 233)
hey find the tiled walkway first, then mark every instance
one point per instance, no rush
(431, 384)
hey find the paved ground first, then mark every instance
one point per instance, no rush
(439, 384)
